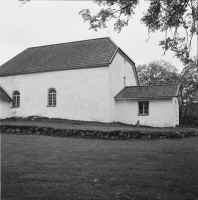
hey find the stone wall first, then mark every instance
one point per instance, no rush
(113, 135)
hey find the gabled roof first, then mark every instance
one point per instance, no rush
(4, 96)
(73, 55)
(149, 92)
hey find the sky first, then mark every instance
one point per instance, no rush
(39, 23)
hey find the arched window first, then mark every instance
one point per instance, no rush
(51, 97)
(16, 99)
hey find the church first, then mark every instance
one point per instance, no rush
(89, 80)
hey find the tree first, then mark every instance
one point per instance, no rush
(167, 16)
(189, 82)
(157, 72)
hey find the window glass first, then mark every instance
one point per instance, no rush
(51, 97)
(143, 107)
(16, 99)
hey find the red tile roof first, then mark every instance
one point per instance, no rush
(155, 91)
(81, 54)
(4, 96)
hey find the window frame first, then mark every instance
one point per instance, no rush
(143, 108)
(51, 98)
(16, 99)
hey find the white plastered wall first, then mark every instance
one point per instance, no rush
(119, 68)
(175, 104)
(162, 112)
(5, 109)
(82, 94)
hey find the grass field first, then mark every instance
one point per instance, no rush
(81, 125)
(41, 167)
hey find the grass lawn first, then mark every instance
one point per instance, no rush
(41, 167)
(81, 125)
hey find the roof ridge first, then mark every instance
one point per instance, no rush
(113, 42)
(141, 92)
(12, 58)
(68, 42)
(154, 85)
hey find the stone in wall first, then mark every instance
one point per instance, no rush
(113, 135)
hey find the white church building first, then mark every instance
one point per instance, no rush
(90, 80)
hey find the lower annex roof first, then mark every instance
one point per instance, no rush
(145, 92)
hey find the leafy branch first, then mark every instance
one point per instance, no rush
(162, 15)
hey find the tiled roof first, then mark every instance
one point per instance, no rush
(4, 96)
(81, 54)
(155, 91)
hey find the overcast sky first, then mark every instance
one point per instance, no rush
(49, 22)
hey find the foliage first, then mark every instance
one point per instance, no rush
(189, 114)
(167, 16)
(189, 82)
(157, 72)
